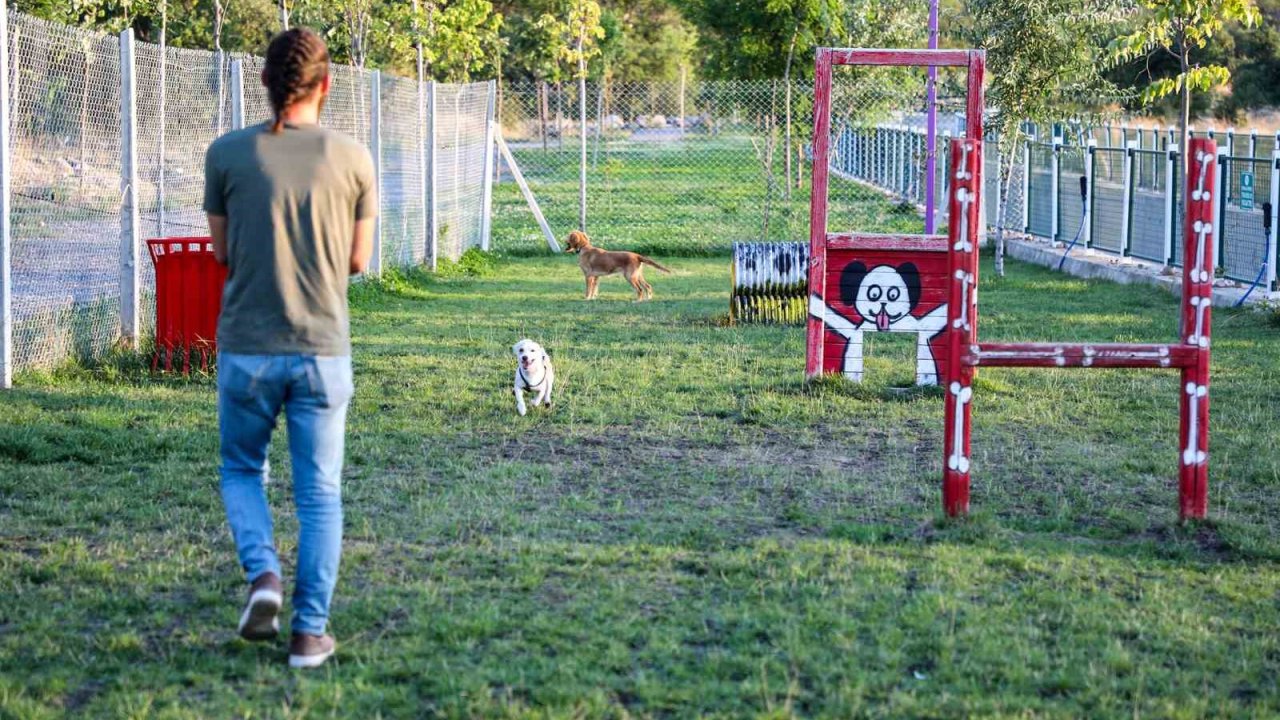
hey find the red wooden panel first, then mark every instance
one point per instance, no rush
(908, 58)
(876, 241)
(1083, 355)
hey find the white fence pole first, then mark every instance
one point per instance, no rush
(237, 94)
(433, 219)
(129, 218)
(375, 149)
(6, 240)
(1171, 178)
(486, 218)
(161, 118)
(1219, 203)
(582, 149)
(1126, 207)
(1090, 151)
(1275, 217)
(1053, 189)
(1026, 185)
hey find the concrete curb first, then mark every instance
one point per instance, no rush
(1093, 265)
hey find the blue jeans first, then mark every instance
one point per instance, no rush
(314, 392)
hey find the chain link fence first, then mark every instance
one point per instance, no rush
(70, 206)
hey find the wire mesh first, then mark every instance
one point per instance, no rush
(1245, 246)
(1039, 190)
(66, 195)
(1149, 211)
(1071, 167)
(461, 132)
(404, 235)
(1107, 214)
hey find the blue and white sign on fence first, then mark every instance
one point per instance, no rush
(1246, 191)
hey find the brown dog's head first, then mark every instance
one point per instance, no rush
(577, 241)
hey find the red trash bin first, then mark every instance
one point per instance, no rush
(188, 300)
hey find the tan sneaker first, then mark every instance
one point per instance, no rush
(308, 651)
(259, 622)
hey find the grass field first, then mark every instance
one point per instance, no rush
(684, 198)
(690, 531)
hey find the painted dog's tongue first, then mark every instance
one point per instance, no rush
(882, 320)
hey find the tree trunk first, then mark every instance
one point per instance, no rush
(284, 15)
(1184, 120)
(1002, 215)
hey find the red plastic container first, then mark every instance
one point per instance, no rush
(188, 300)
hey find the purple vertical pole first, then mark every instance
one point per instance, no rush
(931, 140)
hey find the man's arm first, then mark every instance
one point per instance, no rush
(361, 245)
(218, 231)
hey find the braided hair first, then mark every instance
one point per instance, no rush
(297, 62)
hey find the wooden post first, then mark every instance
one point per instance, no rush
(816, 331)
(1199, 231)
(963, 197)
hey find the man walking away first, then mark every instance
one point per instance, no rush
(291, 210)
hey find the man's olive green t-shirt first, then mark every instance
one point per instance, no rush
(291, 200)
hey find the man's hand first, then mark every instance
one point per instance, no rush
(218, 231)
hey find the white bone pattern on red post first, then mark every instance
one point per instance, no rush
(958, 461)
(1193, 455)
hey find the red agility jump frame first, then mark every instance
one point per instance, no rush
(957, 340)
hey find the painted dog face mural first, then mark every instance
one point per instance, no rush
(882, 291)
(884, 295)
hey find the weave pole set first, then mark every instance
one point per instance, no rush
(862, 282)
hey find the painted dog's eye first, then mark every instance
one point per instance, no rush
(874, 292)
(894, 294)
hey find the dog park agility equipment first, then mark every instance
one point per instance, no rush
(189, 283)
(853, 278)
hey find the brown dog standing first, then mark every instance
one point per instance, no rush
(596, 263)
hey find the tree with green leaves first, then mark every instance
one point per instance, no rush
(1181, 29)
(1042, 61)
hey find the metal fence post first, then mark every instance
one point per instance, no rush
(1026, 184)
(1219, 207)
(1126, 206)
(1275, 216)
(1253, 142)
(1054, 180)
(237, 94)
(375, 149)
(1090, 150)
(129, 217)
(160, 140)
(6, 240)
(1170, 195)
(433, 219)
(490, 149)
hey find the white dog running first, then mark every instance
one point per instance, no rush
(533, 373)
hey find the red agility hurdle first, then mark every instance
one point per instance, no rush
(941, 298)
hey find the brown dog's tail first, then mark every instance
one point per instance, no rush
(648, 261)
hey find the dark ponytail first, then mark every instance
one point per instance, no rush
(297, 62)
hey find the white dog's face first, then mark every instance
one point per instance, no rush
(529, 353)
(883, 297)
